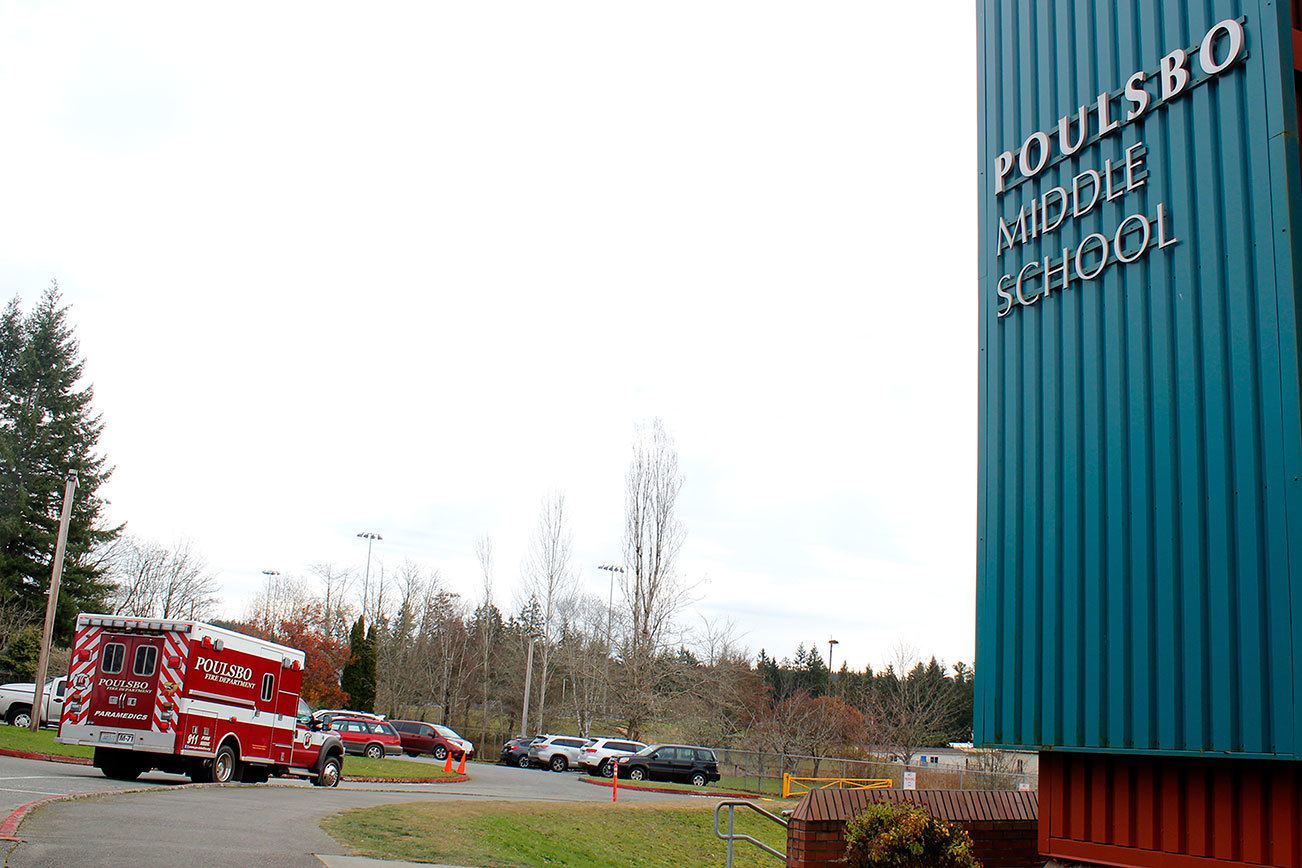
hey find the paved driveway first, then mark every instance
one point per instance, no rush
(247, 825)
(23, 781)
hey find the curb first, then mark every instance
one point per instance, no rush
(709, 794)
(48, 757)
(357, 779)
(9, 825)
(84, 761)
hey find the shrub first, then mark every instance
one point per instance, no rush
(906, 836)
(20, 655)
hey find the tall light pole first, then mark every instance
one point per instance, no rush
(610, 634)
(370, 538)
(831, 643)
(266, 602)
(52, 601)
(528, 686)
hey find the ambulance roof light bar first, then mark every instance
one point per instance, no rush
(125, 624)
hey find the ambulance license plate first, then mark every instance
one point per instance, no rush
(116, 737)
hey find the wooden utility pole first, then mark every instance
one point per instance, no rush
(528, 685)
(52, 602)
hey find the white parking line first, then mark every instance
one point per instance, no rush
(30, 792)
(30, 777)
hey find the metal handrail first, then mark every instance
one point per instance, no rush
(732, 805)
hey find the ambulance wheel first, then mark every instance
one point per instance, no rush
(116, 767)
(224, 768)
(440, 752)
(255, 774)
(375, 751)
(330, 774)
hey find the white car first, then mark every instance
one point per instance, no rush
(596, 757)
(557, 752)
(16, 702)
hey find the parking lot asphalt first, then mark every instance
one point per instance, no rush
(244, 825)
(23, 781)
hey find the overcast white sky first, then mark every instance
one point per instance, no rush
(408, 267)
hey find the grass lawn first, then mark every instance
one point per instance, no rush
(360, 766)
(14, 738)
(502, 834)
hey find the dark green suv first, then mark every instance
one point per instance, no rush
(671, 762)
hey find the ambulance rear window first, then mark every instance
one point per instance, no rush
(114, 653)
(146, 660)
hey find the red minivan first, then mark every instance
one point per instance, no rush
(374, 739)
(419, 737)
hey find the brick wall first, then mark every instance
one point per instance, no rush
(815, 842)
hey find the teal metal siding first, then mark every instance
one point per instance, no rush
(1140, 510)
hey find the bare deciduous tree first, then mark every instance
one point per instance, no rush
(151, 580)
(550, 580)
(485, 626)
(336, 582)
(723, 694)
(280, 597)
(653, 592)
(582, 656)
(905, 714)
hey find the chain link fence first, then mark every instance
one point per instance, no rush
(761, 772)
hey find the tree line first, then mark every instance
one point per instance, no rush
(413, 646)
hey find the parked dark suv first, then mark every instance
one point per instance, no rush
(516, 751)
(671, 762)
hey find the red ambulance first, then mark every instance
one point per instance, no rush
(190, 698)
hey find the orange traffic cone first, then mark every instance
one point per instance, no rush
(461, 767)
(447, 766)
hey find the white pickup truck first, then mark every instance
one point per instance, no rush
(16, 702)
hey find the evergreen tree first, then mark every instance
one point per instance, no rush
(48, 426)
(358, 679)
(369, 667)
(814, 672)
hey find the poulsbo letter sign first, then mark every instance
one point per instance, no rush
(1055, 209)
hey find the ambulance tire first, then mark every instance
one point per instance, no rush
(255, 774)
(331, 773)
(118, 768)
(224, 768)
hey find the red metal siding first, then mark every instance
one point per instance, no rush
(1170, 812)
